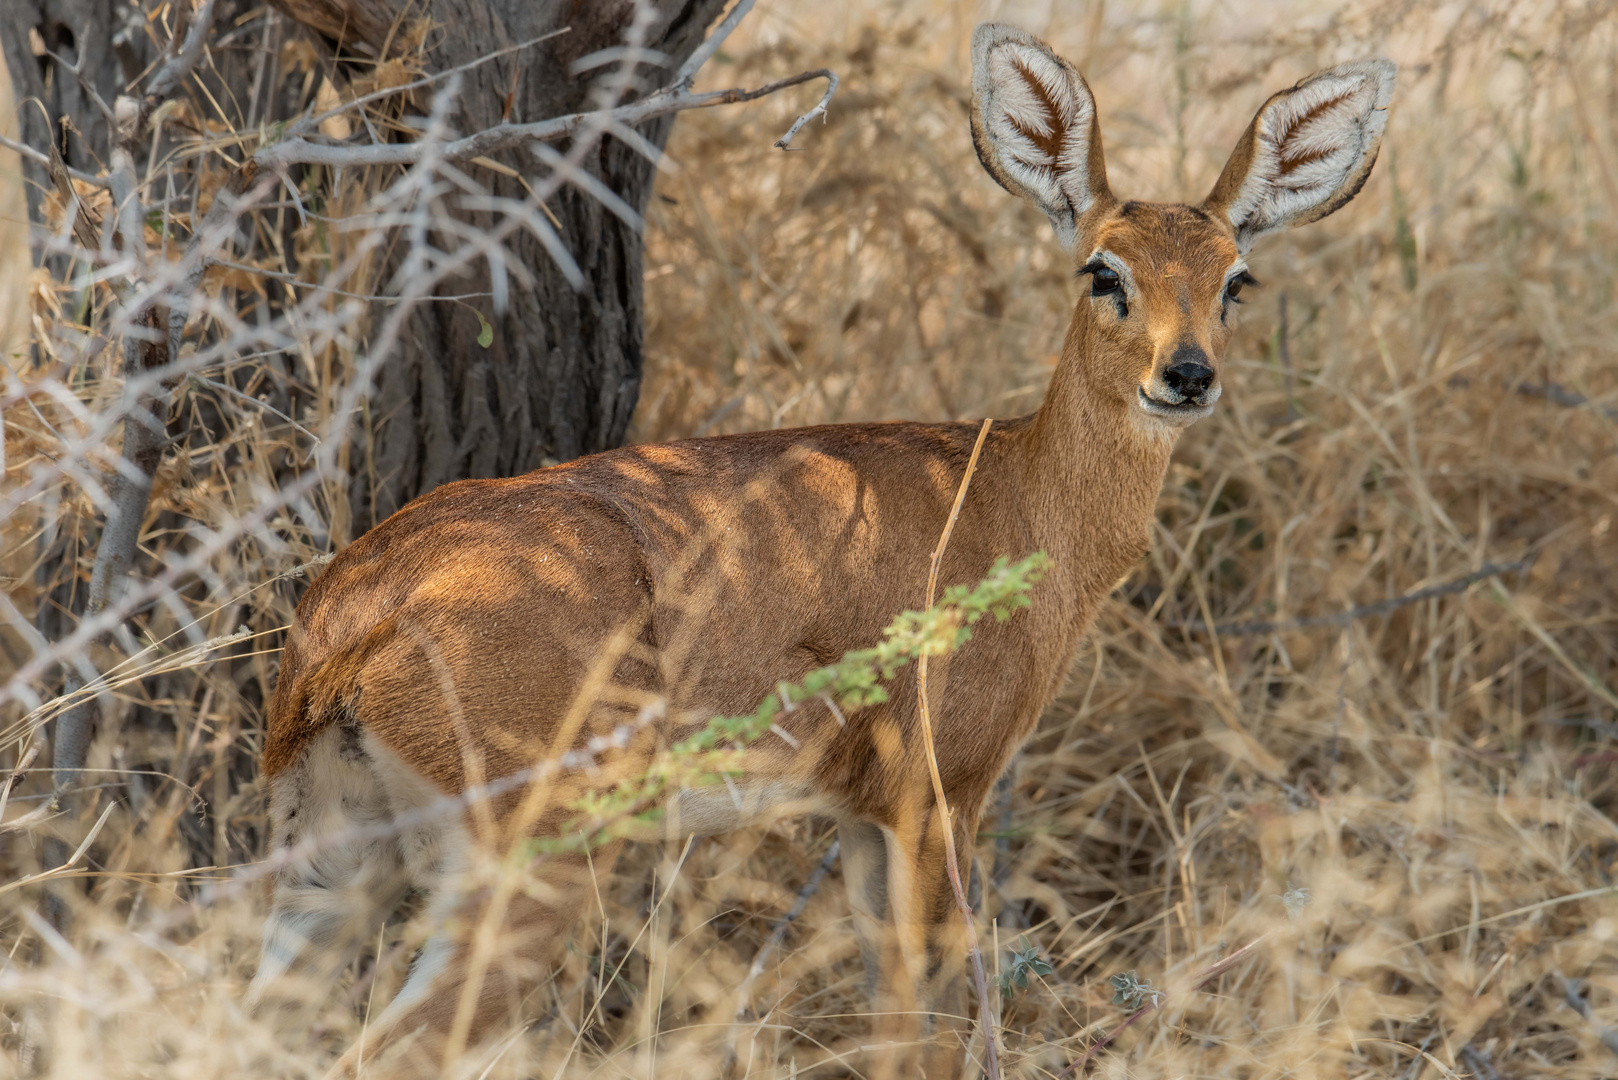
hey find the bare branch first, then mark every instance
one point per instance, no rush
(85, 84)
(173, 73)
(39, 157)
(688, 70)
(302, 151)
(785, 141)
(143, 436)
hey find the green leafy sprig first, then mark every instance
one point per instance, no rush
(713, 753)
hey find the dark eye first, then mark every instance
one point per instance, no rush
(1233, 290)
(1104, 280)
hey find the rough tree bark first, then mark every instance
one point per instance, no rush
(76, 30)
(563, 372)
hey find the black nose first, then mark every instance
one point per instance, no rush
(1190, 378)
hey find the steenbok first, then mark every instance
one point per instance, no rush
(610, 606)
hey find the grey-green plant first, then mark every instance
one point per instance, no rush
(1296, 898)
(1022, 963)
(1131, 991)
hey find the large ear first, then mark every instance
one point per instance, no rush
(1307, 152)
(1034, 126)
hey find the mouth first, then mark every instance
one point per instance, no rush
(1181, 412)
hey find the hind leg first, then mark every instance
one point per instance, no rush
(497, 918)
(495, 937)
(345, 878)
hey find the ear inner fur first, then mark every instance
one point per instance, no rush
(1034, 126)
(1307, 152)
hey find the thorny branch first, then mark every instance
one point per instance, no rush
(307, 151)
(176, 286)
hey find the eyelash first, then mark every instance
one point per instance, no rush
(1116, 291)
(1243, 278)
(1094, 267)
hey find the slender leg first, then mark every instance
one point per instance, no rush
(493, 945)
(865, 875)
(343, 884)
(931, 941)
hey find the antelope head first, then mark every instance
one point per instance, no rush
(1164, 279)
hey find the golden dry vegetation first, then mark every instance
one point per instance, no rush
(1425, 387)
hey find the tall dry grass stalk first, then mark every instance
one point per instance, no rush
(1427, 383)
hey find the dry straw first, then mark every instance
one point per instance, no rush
(1438, 774)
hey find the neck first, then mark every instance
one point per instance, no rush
(1093, 475)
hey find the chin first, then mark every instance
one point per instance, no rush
(1176, 414)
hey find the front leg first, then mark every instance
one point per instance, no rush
(921, 994)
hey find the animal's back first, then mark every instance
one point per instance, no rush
(488, 603)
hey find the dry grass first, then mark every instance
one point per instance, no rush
(1441, 779)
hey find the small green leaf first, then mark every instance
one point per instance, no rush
(485, 332)
(1023, 962)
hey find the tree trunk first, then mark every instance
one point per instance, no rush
(563, 372)
(82, 32)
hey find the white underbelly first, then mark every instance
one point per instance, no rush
(724, 807)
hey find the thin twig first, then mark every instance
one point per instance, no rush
(785, 141)
(1343, 618)
(991, 1055)
(85, 84)
(39, 157)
